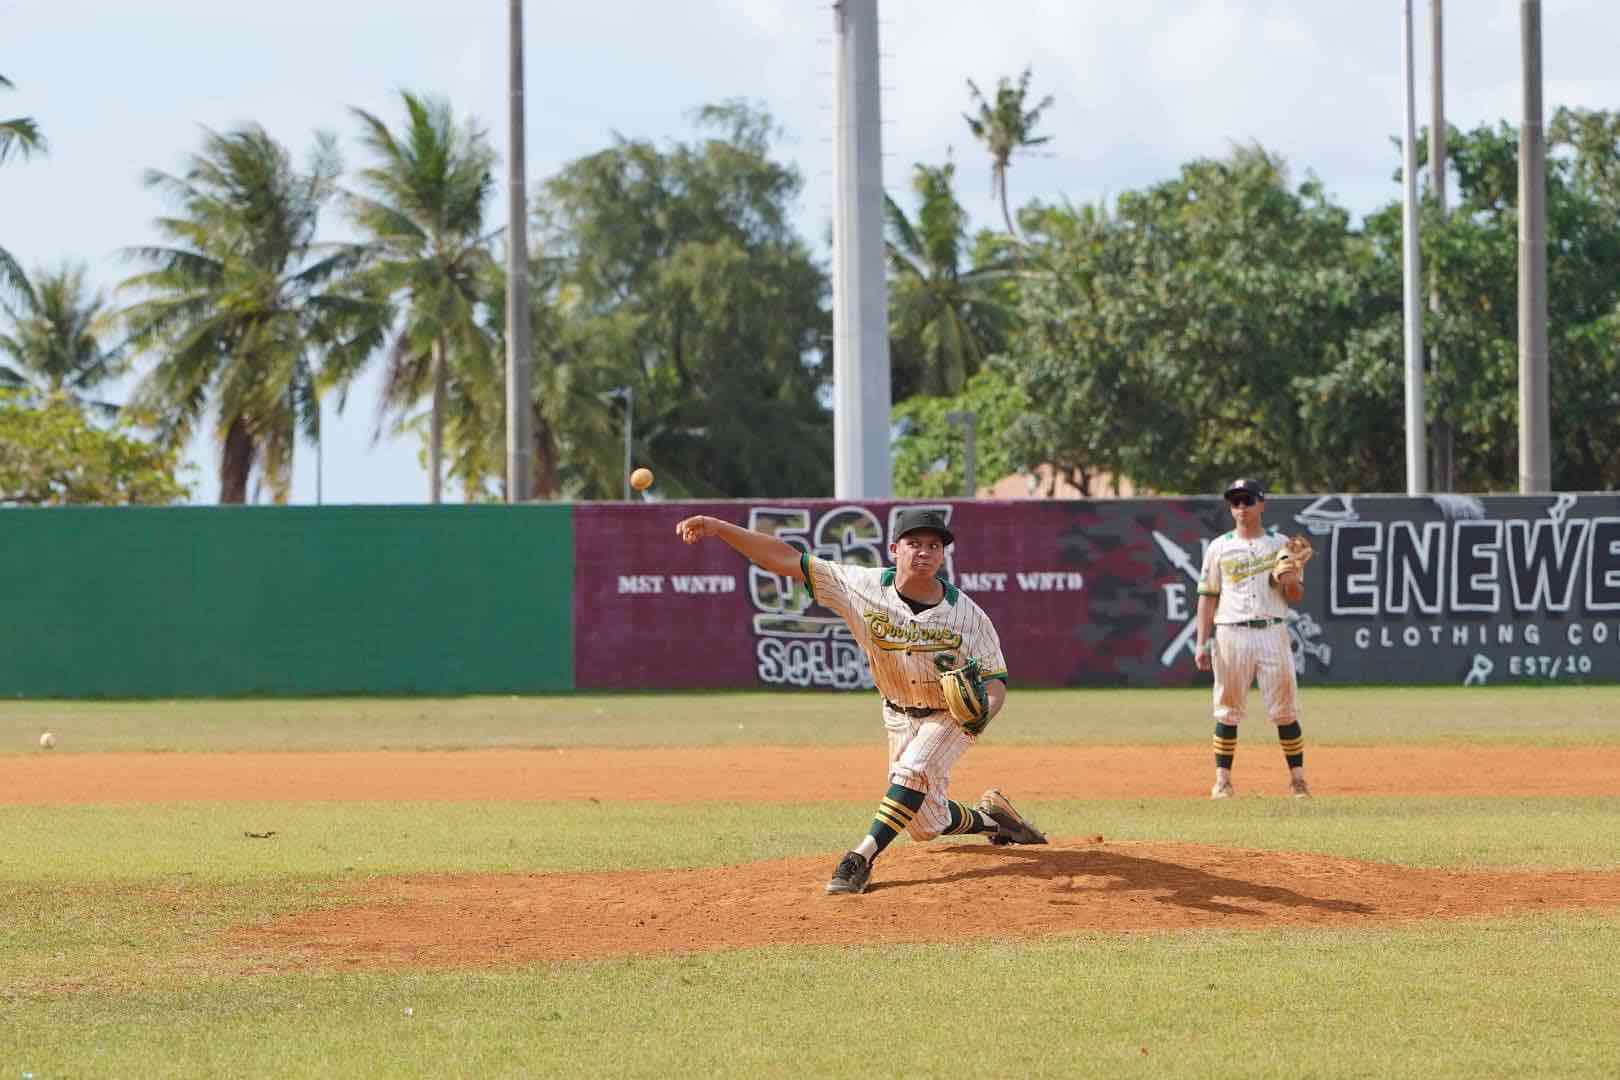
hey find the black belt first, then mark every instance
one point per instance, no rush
(1256, 624)
(911, 710)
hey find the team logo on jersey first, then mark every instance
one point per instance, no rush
(1239, 568)
(914, 638)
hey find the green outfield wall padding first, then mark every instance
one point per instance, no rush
(225, 601)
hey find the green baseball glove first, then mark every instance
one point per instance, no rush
(965, 696)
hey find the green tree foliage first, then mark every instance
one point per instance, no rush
(422, 211)
(19, 135)
(929, 454)
(1162, 341)
(944, 319)
(1006, 128)
(242, 307)
(50, 455)
(56, 340)
(682, 278)
(1473, 257)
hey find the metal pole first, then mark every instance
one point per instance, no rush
(1417, 480)
(319, 426)
(1535, 454)
(861, 466)
(968, 421)
(1445, 467)
(629, 436)
(519, 403)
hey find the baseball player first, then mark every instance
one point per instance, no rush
(1249, 578)
(913, 625)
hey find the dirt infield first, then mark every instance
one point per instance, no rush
(784, 774)
(919, 894)
(919, 891)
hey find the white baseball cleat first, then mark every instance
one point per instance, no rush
(1222, 790)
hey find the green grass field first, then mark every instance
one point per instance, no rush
(1335, 716)
(112, 916)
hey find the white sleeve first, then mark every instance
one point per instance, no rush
(828, 583)
(1209, 579)
(979, 639)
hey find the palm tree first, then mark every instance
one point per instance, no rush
(946, 319)
(18, 135)
(56, 339)
(243, 307)
(1005, 128)
(423, 213)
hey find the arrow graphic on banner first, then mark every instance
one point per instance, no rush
(1182, 561)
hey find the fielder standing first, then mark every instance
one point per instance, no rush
(1249, 578)
(913, 626)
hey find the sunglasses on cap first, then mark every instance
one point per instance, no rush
(1242, 499)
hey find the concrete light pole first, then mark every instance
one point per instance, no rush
(1417, 478)
(519, 402)
(1535, 434)
(861, 468)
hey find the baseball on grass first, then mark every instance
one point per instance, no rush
(46, 741)
(641, 479)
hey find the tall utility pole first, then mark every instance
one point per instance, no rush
(627, 394)
(968, 421)
(860, 288)
(519, 421)
(1417, 470)
(1535, 454)
(1444, 457)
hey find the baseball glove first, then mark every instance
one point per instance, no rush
(1296, 552)
(965, 697)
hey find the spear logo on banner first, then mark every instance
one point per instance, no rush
(1181, 560)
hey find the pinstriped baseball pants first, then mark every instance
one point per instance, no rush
(1244, 655)
(922, 750)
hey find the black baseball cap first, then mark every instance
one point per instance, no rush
(1246, 486)
(910, 520)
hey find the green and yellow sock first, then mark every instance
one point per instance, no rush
(1293, 744)
(1225, 744)
(966, 820)
(894, 813)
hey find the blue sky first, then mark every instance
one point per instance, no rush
(1141, 87)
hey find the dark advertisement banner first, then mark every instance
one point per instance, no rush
(1449, 589)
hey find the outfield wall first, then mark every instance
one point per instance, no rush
(184, 602)
(192, 601)
(1449, 589)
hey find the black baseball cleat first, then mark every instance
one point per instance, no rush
(1011, 828)
(854, 870)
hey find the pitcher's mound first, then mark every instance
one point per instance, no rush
(934, 892)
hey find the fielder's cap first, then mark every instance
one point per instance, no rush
(1246, 486)
(909, 520)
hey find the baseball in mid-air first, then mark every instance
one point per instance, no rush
(46, 741)
(641, 479)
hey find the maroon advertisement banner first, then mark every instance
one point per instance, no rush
(1439, 589)
(1071, 593)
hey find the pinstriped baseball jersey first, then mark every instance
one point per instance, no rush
(1238, 570)
(902, 646)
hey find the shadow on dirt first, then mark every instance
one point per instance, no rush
(1102, 870)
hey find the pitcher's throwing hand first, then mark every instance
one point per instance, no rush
(693, 529)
